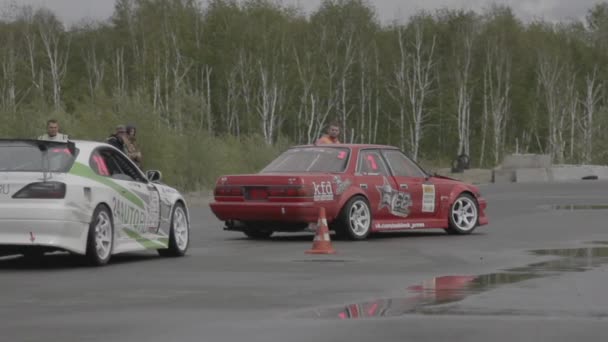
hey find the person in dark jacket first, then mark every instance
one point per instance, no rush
(131, 146)
(118, 138)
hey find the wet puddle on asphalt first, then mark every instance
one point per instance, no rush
(572, 207)
(450, 289)
(340, 261)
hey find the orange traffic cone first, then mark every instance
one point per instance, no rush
(321, 244)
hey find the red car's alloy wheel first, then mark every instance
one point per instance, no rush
(464, 215)
(355, 219)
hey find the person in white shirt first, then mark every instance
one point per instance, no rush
(52, 132)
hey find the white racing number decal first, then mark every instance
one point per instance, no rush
(428, 198)
(5, 189)
(128, 214)
(323, 191)
(398, 203)
(399, 225)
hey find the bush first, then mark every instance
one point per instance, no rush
(189, 158)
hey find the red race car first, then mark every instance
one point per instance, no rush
(363, 188)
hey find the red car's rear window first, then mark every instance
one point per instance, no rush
(310, 159)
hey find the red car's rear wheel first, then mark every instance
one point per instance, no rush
(355, 220)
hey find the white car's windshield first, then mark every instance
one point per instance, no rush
(310, 159)
(34, 156)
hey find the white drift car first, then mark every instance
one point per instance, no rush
(87, 198)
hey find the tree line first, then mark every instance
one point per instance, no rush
(232, 73)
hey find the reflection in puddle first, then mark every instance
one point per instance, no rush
(449, 289)
(579, 207)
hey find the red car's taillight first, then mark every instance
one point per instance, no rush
(288, 191)
(50, 190)
(228, 191)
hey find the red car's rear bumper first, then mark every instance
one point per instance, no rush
(262, 211)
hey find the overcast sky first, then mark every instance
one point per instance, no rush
(72, 11)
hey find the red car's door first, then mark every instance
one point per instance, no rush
(410, 178)
(373, 176)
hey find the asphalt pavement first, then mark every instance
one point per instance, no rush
(536, 273)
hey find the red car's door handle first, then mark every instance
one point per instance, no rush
(403, 186)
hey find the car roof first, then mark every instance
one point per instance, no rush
(359, 146)
(88, 144)
(86, 147)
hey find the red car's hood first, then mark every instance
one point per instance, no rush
(438, 179)
(436, 176)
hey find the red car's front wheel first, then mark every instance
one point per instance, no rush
(464, 215)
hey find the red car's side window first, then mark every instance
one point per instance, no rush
(401, 165)
(371, 163)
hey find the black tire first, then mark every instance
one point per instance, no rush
(257, 234)
(353, 227)
(463, 216)
(179, 234)
(100, 239)
(33, 255)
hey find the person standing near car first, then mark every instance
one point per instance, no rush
(331, 137)
(131, 147)
(52, 132)
(118, 138)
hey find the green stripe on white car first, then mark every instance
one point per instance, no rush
(82, 170)
(147, 243)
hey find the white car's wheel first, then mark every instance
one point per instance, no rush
(179, 235)
(464, 215)
(100, 241)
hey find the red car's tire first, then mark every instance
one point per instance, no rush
(355, 219)
(463, 216)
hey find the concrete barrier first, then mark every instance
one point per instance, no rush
(503, 176)
(536, 175)
(563, 173)
(526, 161)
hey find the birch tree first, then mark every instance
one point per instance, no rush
(497, 89)
(463, 74)
(205, 96)
(369, 99)
(419, 80)
(270, 101)
(550, 75)
(398, 88)
(593, 95)
(231, 117)
(56, 47)
(9, 73)
(346, 41)
(570, 106)
(30, 36)
(95, 65)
